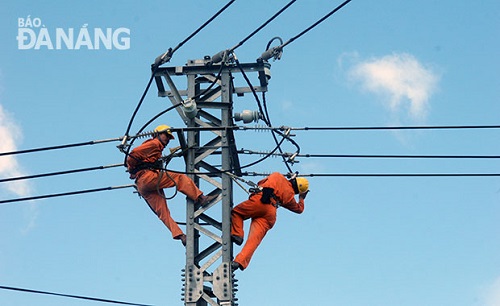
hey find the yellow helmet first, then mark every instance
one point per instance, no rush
(164, 129)
(302, 184)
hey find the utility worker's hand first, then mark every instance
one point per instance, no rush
(303, 195)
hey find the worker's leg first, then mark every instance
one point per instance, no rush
(258, 229)
(183, 183)
(241, 212)
(237, 224)
(158, 204)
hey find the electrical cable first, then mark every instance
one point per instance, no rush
(316, 23)
(278, 132)
(401, 174)
(277, 50)
(71, 296)
(127, 150)
(262, 26)
(217, 77)
(60, 146)
(65, 194)
(162, 59)
(266, 115)
(250, 152)
(385, 174)
(230, 170)
(245, 128)
(432, 127)
(58, 173)
(140, 103)
(222, 54)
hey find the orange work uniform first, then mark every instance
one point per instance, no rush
(150, 182)
(263, 215)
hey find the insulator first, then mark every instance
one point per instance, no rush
(189, 108)
(145, 134)
(260, 127)
(247, 116)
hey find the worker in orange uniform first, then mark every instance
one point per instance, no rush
(273, 191)
(145, 166)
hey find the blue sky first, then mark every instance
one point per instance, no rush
(360, 241)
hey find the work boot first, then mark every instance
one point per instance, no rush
(237, 239)
(235, 266)
(182, 238)
(204, 200)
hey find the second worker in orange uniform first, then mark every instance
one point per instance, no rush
(274, 191)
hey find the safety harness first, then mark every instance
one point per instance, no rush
(157, 165)
(267, 195)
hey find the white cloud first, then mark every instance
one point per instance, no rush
(491, 294)
(405, 84)
(10, 134)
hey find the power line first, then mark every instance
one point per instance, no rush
(401, 174)
(222, 54)
(245, 128)
(263, 25)
(432, 127)
(165, 57)
(65, 194)
(265, 174)
(79, 144)
(276, 51)
(386, 174)
(250, 152)
(71, 296)
(58, 173)
(316, 23)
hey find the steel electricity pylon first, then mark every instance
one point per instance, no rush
(211, 159)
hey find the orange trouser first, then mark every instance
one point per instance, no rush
(150, 185)
(263, 219)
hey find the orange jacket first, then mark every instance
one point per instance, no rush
(283, 192)
(148, 152)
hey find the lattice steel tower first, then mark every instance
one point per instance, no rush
(210, 153)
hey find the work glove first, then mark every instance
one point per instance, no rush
(303, 195)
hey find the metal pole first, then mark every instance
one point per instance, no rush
(207, 276)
